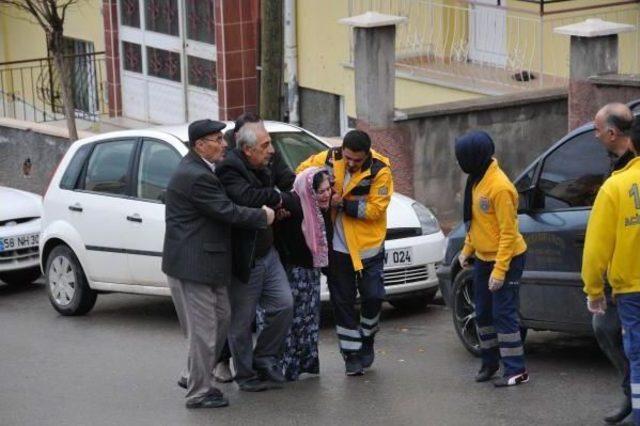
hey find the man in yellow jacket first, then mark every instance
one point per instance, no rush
(611, 247)
(493, 238)
(362, 186)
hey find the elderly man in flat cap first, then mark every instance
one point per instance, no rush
(197, 255)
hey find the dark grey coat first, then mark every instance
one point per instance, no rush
(199, 217)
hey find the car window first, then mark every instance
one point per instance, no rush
(573, 173)
(158, 161)
(108, 167)
(295, 147)
(71, 174)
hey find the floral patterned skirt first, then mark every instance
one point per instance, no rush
(301, 346)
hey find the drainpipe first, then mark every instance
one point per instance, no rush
(291, 61)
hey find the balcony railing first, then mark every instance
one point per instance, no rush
(31, 89)
(495, 49)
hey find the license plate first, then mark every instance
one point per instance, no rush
(398, 257)
(19, 242)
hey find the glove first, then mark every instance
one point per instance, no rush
(597, 306)
(494, 284)
(464, 261)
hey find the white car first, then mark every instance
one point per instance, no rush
(20, 213)
(103, 223)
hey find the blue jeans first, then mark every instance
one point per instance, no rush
(629, 311)
(497, 316)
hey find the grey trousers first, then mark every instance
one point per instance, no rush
(268, 285)
(204, 312)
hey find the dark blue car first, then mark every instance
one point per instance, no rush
(556, 194)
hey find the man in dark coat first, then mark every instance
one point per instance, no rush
(197, 255)
(259, 275)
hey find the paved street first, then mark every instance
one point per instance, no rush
(119, 364)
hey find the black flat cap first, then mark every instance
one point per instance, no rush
(201, 128)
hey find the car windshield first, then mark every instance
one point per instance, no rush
(295, 147)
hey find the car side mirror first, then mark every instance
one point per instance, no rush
(526, 200)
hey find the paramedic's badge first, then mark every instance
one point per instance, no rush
(484, 204)
(383, 191)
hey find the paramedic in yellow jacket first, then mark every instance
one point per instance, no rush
(493, 238)
(362, 186)
(611, 248)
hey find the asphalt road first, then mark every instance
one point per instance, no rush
(119, 364)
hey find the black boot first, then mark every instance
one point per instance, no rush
(353, 365)
(620, 413)
(367, 353)
(486, 373)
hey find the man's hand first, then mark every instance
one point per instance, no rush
(464, 261)
(336, 200)
(495, 284)
(282, 214)
(270, 214)
(597, 306)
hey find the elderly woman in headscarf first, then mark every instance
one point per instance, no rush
(301, 240)
(494, 240)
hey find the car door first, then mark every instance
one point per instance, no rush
(97, 209)
(154, 166)
(566, 182)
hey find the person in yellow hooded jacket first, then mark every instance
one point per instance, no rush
(611, 249)
(362, 188)
(493, 238)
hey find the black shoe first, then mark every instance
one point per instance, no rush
(253, 385)
(353, 365)
(621, 413)
(511, 380)
(486, 373)
(214, 400)
(182, 382)
(367, 354)
(272, 374)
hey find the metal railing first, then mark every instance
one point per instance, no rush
(495, 49)
(31, 90)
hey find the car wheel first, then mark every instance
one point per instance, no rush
(464, 312)
(67, 285)
(413, 302)
(20, 277)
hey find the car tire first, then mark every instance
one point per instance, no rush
(464, 311)
(20, 277)
(413, 302)
(67, 286)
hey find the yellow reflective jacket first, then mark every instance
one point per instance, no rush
(365, 200)
(494, 233)
(612, 242)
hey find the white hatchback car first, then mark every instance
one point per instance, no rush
(103, 223)
(20, 213)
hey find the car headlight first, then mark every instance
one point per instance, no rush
(428, 221)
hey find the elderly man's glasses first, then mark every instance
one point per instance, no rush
(218, 139)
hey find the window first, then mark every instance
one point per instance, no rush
(163, 64)
(158, 161)
(202, 73)
(70, 177)
(296, 147)
(132, 58)
(130, 13)
(200, 21)
(161, 16)
(573, 173)
(108, 167)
